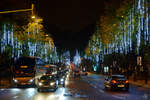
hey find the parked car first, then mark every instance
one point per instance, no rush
(116, 82)
(47, 82)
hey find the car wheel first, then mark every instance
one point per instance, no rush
(112, 88)
(54, 89)
(63, 85)
(127, 89)
(106, 88)
(39, 90)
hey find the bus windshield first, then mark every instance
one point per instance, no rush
(24, 66)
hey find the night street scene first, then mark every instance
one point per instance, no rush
(75, 50)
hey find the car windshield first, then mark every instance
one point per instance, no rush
(47, 77)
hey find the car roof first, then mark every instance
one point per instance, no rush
(47, 76)
(117, 75)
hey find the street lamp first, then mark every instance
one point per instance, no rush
(46, 35)
(33, 17)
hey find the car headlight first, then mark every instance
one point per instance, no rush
(40, 84)
(62, 79)
(52, 83)
(15, 80)
(31, 80)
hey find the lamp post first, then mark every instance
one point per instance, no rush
(20, 10)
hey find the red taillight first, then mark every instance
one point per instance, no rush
(113, 81)
(126, 81)
(17, 72)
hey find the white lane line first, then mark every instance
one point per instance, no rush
(101, 91)
(118, 97)
(93, 85)
(15, 97)
(146, 96)
(2, 89)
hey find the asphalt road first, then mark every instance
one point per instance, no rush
(84, 88)
(134, 93)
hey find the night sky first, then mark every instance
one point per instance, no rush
(70, 22)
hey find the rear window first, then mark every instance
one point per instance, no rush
(118, 77)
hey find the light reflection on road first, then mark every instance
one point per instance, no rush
(58, 95)
(61, 97)
(31, 92)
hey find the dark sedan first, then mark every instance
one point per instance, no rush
(47, 82)
(116, 82)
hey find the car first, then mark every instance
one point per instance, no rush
(61, 77)
(116, 82)
(47, 82)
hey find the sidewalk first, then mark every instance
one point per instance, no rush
(4, 83)
(140, 83)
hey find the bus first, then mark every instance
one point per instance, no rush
(26, 69)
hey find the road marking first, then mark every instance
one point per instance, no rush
(2, 89)
(93, 85)
(101, 91)
(118, 97)
(15, 97)
(145, 96)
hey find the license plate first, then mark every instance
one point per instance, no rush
(120, 85)
(45, 86)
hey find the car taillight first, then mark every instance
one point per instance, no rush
(17, 72)
(126, 81)
(113, 81)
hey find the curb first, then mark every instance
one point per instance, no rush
(147, 86)
(140, 85)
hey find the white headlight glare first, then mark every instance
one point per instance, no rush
(31, 80)
(15, 80)
(40, 84)
(62, 79)
(53, 83)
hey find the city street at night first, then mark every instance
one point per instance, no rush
(80, 88)
(75, 50)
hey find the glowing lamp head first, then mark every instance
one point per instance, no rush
(33, 17)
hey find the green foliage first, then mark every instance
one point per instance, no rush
(24, 34)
